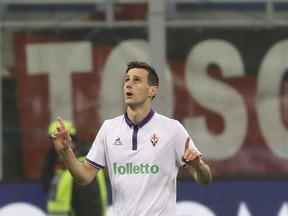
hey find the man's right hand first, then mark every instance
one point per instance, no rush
(61, 137)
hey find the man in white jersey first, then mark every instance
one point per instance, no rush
(142, 150)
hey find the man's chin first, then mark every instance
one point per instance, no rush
(130, 104)
(128, 101)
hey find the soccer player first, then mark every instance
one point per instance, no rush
(143, 151)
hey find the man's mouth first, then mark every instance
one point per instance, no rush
(129, 94)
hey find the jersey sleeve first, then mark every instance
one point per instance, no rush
(181, 135)
(96, 155)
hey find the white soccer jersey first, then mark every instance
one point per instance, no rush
(142, 161)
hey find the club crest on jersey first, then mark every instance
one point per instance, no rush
(154, 139)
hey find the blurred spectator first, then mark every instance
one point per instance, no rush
(64, 196)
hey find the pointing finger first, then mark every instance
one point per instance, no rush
(187, 144)
(62, 125)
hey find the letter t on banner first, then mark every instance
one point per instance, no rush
(59, 60)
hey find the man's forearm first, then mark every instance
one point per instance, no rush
(201, 173)
(77, 169)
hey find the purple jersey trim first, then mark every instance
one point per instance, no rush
(134, 137)
(98, 166)
(185, 165)
(143, 122)
(137, 126)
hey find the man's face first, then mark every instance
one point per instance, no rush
(136, 89)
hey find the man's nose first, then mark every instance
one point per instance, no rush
(128, 84)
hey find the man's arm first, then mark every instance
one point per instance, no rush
(201, 173)
(83, 173)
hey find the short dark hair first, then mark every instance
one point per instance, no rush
(153, 79)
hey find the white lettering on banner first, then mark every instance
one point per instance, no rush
(60, 60)
(272, 70)
(111, 92)
(216, 96)
(188, 208)
(21, 208)
(284, 210)
(184, 208)
(243, 210)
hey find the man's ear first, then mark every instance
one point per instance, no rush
(153, 91)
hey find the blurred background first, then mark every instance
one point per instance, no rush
(223, 68)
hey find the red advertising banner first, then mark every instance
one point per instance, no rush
(229, 90)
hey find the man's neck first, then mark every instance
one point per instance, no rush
(137, 115)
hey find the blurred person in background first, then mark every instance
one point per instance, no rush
(64, 196)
